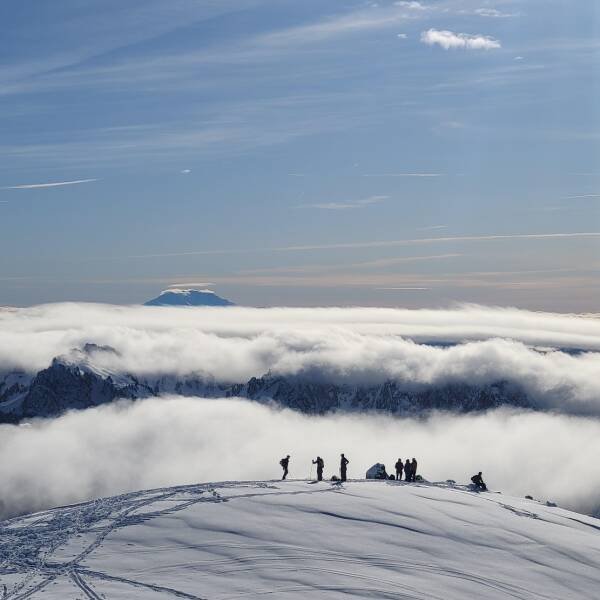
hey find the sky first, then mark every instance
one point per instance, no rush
(414, 154)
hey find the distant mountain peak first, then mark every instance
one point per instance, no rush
(188, 297)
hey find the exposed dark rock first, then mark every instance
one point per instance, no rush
(65, 386)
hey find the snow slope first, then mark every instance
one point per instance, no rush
(295, 539)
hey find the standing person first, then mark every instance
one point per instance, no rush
(399, 466)
(413, 470)
(284, 462)
(407, 470)
(320, 464)
(343, 467)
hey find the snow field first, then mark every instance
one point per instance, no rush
(288, 539)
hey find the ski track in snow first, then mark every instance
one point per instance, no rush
(30, 561)
(31, 552)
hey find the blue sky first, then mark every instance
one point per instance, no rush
(301, 153)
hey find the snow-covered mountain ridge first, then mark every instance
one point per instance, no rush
(75, 382)
(289, 539)
(313, 360)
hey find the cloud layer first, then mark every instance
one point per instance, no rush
(448, 40)
(360, 346)
(348, 204)
(161, 442)
(34, 186)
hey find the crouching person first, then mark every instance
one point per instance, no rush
(479, 483)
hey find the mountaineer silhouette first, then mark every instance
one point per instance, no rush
(343, 467)
(399, 467)
(479, 483)
(320, 465)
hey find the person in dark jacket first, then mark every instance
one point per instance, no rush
(320, 465)
(478, 482)
(407, 470)
(399, 468)
(343, 467)
(284, 462)
(413, 470)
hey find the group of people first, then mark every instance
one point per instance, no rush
(344, 462)
(409, 468)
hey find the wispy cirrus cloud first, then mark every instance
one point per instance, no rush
(442, 240)
(448, 40)
(335, 277)
(403, 289)
(349, 205)
(228, 127)
(402, 174)
(492, 13)
(35, 186)
(191, 284)
(381, 263)
(374, 17)
(122, 26)
(508, 237)
(432, 227)
(582, 196)
(412, 5)
(71, 68)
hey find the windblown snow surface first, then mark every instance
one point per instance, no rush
(300, 540)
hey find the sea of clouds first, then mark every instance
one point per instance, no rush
(171, 441)
(550, 453)
(358, 346)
